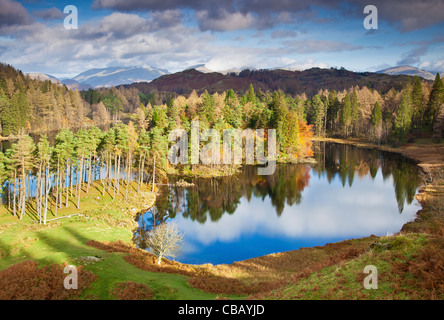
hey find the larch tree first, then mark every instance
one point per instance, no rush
(354, 112)
(346, 114)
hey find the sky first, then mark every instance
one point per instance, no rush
(175, 35)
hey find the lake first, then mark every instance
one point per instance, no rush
(349, 193)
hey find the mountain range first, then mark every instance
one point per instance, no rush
(106, 77)
(199, 77)
(308, 81)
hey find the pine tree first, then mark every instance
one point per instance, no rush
(23, 160)
(143, 150)
(65, 150)
(435, 101)
(251, 97)
(82, 143)
(376, 121)
(43, 155)
(292, 133)
(318, 110)
(403, 119)
(159, 151)
(332, 110)
(418, 103)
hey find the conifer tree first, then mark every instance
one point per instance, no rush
(376, 121)
(403, 118)
(417, 103)
(435, 101)
(23, 160)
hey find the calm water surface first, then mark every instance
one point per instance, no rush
(349, 193)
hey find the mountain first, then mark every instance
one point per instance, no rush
(308, 81)
(43, 77)
(201, 68)
(114, 76)
(204, 69)
(409, 71)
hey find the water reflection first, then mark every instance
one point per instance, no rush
(349, 193)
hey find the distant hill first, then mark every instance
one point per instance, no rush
(292, 82)
(408, 70)
(43, 77)
(113, 76)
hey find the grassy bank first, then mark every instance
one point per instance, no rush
(64, 241)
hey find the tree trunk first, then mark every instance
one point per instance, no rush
(14, 199)
(47, 187)
(80, 182)
(154, 172)
(23, 189)
(67, 183)
(37, 196)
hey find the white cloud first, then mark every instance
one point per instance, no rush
(434, 65)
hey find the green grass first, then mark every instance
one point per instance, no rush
(64, 241)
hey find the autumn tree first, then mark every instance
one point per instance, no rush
(346, 114)
(165, 240)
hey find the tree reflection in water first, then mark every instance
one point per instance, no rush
(210, 199)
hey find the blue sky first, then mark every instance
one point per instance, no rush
(173, 35)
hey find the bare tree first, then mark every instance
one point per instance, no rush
(165, 240)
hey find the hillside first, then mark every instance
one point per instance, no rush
(291, 82)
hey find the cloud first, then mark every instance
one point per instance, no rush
(407, 15)
(122, 39)
(49, 14)
(413, 57)
(13, 13)
(433, 66)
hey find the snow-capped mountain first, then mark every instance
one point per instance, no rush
(409, 71)
(114, 76)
